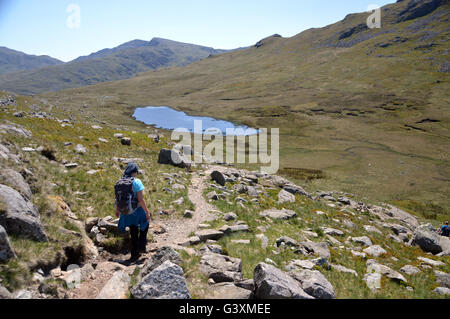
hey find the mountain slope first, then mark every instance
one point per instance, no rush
(15, 61)
(118, 63)
(367, 107)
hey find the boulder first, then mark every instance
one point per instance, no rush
(371, 229)
(375, 250)
(16, 181)
(116, 287)
(307, 264)
(410, 270)
(221, 268)
(285, 197)
(332, 231)
(6, 251)
(427, 239)
(364, 240)
(228, 290)
(442, 290)
(172, 157)
(314, 283)
(374, 267)
(20, 217)
(126, 141)
(294, 189)
(278, 214)
(206, 234)
(373, 281)
(230, 216)
(442, 278)
(273, 283)
(431, 262)
(321, 249)
(344, 269)
(161, 255)
(287, 241)
(234, 229)
(218, 177)
(165, 282)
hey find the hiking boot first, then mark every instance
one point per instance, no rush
(134, 257)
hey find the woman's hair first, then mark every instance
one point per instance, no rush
(131, 168)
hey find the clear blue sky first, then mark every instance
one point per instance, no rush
(39, 26)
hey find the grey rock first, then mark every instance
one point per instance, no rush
(314, 283)
(375, 267)
(264, 240)
(285, 197)
(252, 191)
(364, 240)
(165, 282)
(221, 268)
(16, 181)
(21, 217)
(228, 290)
(375, 250)
(273, 283)
(431, 262)
(278, 214)
(80, 149)
(14, 129)
(173, 157)
(126, 141)
(116, 287)
(294, 189)
(247, 284)
(373, 281)
(410, 270)
(234, 229)
(287, 241)
(344, 269)
(371, 229)
(442, 278)
(332, 231)
(206, 234)
(161, 255)
(442, 290)
(320, 249)
(6, 251)
(216, 249)
(307, 264)
(230, 216)
(4, 293)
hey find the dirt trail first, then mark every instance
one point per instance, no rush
(177, 230)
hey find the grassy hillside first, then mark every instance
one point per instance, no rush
(368, 108)
(118, 63)
(15, 61)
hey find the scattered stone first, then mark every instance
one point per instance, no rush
(216, 249)
(92, 172)
(16, 181)
(179, 201)
(375, 250)
(228, 290)
(410, 270)
(188, 214)
(373, 266)
(28, 149)
(234, 229)
(320, 249)
(163, 254)
(20, 217)
(344, 269)
(264, 240)
(373, 281)
(358, 254)
(285, 197)
(103, 140)
(273, 283)
(71, 165)
(314, 283)
(126, 141)
(364, 240)
(431, 262)
(218, 177)
(427, 239)
(116, 287)
(206, 234)
(118, 135)
(241, 241)
(80, 149)
(442, 278)
(221, 268)
(287, 241)
(278, 214)
(307, 264)
(442, 291)
(230, 216)
(165, 282)
(332, 231)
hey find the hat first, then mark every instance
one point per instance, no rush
(131, 168)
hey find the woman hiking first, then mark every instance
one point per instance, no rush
(131, 207)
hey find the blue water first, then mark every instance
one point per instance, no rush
(167, 118)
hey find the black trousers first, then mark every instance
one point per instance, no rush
(138, 239)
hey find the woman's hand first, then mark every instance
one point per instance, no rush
(148, 216)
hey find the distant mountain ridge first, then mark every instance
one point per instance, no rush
(15, 61)
(121, 62)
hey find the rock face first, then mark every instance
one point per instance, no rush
(116, 287)
(165, 282)
(314, 283)
(15, 180)
(221, 268)
(273, 283)
(20, 217)
(427, 240)
(278, 214)
(6, 251)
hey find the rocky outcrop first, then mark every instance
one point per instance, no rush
(273, 283)
(165, 282)
(20, 217)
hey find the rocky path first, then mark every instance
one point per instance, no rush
(177, 230)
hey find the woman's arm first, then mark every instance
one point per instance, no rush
(140, 196)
